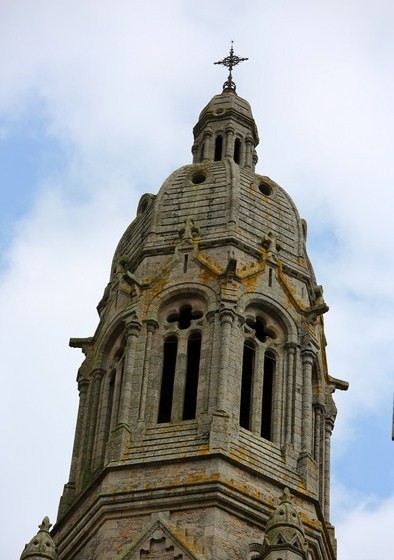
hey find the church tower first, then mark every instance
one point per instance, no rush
(206, 410)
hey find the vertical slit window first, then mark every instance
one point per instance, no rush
(202, 151)
(167, 379)
(266, 419)
(246, 385)
(218, 148)
(237, 150)
(111, 393)
(192, 371)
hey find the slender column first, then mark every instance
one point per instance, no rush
(179, 380)
(208, 145)
(291, 350)
(255, 158)
(118, 384)
(327, 460)
(93, 419)
(83, 385)
(207, 360)
(151, 326)
(307, 363)
(226, 322)
(249, 152)
(257, 390)
(195, 152)
(317, 433)
(132, 332)
(277, 400)
(229, 148)
(319, 449)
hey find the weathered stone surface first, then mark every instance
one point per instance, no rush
(41, 546)
(205, 390)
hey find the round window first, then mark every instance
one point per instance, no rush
(265, 188)
(198, 178)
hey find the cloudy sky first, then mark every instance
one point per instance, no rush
(97, 103)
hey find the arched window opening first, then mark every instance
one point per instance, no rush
(218, 148)
(247, 385)
(167, 379)
(192, 371)
(268, 383)
(237, 150)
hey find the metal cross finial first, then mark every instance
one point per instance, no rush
(230, 61)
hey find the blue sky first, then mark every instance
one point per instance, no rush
(97, 104)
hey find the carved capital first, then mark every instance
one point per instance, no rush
(227, 315)
(151, 325)
(132, 329)
(98, 373)
(308, 355)
(83, 385)
(291, 347)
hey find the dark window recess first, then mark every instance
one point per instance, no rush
(167, 379)
(218, 148)
(265, 189)
(186, 258)
(202, 151)
(237, 150)
(192, 371)
(198, 178)
(270, 277)
(110, 405)
(246, 385)
(184, 317)
(266, 419)
(258, 326)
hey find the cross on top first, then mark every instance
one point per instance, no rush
(230, 61)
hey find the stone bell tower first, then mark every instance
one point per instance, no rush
(206, 410)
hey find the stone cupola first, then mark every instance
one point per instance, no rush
(226, 129)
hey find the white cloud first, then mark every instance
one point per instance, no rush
(365, 532)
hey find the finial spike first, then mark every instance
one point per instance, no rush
(230, 61)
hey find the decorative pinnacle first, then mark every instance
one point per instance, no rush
(45, 525)
(286, 496)
(230, 61)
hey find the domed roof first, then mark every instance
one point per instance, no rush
(227, 105)
(228, 204)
